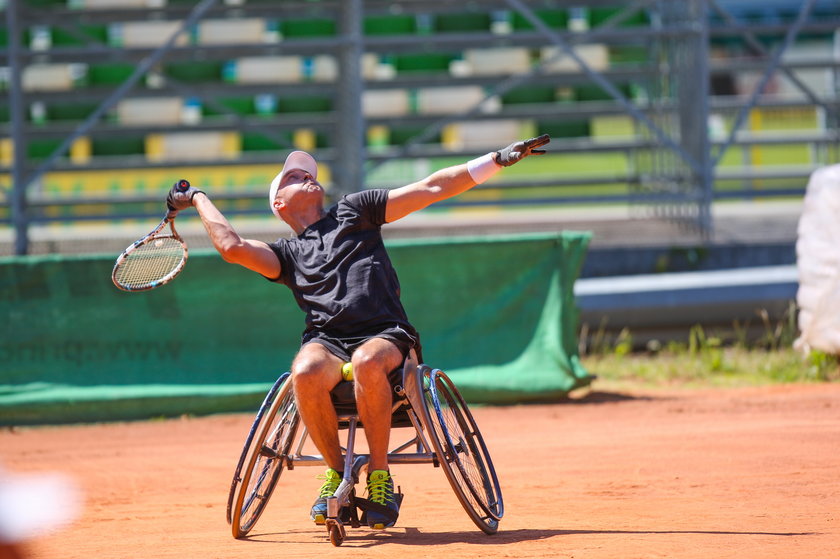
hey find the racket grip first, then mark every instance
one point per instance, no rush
(181, 186)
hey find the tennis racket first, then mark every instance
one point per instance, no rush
(155, 259)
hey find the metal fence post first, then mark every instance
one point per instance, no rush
(348, 175)
(694, 111)
(16, 108)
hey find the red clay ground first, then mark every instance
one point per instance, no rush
(746, 473)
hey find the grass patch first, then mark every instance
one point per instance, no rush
(709, 359)
(712, 368)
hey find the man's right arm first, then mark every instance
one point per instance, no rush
(252, 254)
(457, 179)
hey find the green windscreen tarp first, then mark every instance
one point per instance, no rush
(497, 314)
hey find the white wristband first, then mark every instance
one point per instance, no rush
(482, 168)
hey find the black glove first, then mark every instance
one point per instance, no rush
(180, 196)
(519, 150)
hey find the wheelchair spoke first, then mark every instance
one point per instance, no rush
(255, 495)
(270, 449)
(461, 451)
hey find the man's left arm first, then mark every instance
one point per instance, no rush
(452, 181)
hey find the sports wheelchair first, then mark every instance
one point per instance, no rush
(443, 433)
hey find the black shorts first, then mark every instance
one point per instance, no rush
(343, 348)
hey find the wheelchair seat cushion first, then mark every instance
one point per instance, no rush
(344, 398)
(343, 395)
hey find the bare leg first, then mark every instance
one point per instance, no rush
(372, 361)
(316, 371)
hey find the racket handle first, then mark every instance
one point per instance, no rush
(182, 185)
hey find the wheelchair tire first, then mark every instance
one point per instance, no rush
(264, 407)
(265, 457)
(460, 449)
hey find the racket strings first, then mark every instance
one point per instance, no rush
(150, 263)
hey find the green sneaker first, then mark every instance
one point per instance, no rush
(332, 480)
(386, 506)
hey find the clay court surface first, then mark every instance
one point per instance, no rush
(748, 472)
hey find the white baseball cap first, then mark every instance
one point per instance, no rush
(295, 160)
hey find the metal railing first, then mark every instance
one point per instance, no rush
(673, 160)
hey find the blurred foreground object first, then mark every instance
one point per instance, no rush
(32, 505)
(818, 263)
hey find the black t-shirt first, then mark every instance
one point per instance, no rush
(340, 272)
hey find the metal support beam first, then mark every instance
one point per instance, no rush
(603, 83)
(693, 98)
(775, 61)
(759, 48)
(350, 142)
(703, 147)
(145, 65)
(16, 112)
(501, 87)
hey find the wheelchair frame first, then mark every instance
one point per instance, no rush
(445, 434)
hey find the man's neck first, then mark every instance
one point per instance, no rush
(301, 221)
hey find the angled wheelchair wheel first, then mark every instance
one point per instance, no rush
(258, 421)
(264, 457)
(460, 449)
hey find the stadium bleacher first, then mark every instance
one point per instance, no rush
(253, 79)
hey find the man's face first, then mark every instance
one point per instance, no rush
(298, 186)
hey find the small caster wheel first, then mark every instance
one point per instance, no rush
(337, 533)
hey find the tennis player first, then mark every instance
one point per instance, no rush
(339, 272)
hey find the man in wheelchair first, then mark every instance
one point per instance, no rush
(341, 276)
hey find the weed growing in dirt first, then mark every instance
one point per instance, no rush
(714, 366)
(734, 358)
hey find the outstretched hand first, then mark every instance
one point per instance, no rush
(519, 150)
(180, 196)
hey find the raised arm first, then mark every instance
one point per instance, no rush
(252, 254)
(454, 180)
